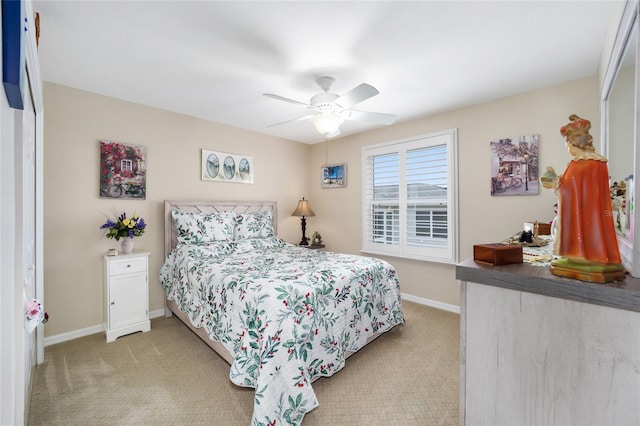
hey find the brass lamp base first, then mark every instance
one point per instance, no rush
(588, 271)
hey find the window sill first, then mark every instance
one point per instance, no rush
(409, 256)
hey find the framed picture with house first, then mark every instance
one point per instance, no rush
(514, 166)
(123, 170)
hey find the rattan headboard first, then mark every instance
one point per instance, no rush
(170, 233)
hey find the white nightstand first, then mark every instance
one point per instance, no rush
(126, 294)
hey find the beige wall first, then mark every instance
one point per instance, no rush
(284, 171)
(483, 218)
(74, 123)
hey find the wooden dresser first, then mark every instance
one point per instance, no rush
(537, 349)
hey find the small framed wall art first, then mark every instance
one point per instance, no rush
(334, 176)
(123, 170)
(225, 167)
(514, 166)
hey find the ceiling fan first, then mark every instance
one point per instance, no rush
(328, 110)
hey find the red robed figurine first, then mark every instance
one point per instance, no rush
(585, 233)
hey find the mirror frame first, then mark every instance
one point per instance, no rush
(629, 245)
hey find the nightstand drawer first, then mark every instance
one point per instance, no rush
(126, 266)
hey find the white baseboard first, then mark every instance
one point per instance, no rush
(433, 303)
(75, 334)
(63, 337)
(157, 313)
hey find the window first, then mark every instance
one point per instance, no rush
(409, 202)
(126, 165)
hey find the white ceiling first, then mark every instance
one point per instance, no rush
(214, 59)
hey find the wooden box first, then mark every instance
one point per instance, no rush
(497, 254)
(544, 228)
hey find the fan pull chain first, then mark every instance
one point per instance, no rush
(326, 151)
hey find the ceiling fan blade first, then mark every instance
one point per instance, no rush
(306, 117)
(372, 117)
(282, 98)
(356, 95)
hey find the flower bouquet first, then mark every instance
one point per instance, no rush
(34, 314)
(124, 227)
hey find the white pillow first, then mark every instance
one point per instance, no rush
(254, 225)
(203, 228)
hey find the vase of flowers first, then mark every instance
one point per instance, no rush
(125, 228)
(34, 314)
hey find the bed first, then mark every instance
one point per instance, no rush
(280, 315)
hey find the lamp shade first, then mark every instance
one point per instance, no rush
(327, 123)
(303, 209)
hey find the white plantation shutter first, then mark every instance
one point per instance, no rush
(384, 193)
(409, 198)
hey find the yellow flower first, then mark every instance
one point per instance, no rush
(126, 222)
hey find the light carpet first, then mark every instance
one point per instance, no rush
(409, 376)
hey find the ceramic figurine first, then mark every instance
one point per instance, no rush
(585, 236)
(316, 239)
(526, 236)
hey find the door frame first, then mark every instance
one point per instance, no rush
(32, 65)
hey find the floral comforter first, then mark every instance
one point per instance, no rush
(287, 314)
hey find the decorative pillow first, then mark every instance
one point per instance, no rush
(213, 252)
(254, 225)
(203, 228)
(247, 245)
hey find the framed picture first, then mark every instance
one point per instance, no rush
(514, 166)
(334, 176)
(225, 167)
(13, 52)
(123, 170)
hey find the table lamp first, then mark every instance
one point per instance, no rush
(303, 209)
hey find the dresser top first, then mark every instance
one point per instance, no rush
(539, 280)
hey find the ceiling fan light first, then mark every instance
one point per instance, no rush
(327, 124)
